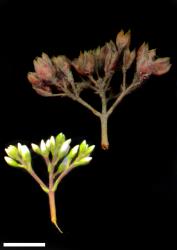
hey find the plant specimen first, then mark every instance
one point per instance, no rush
(95, 69)
(59, 158)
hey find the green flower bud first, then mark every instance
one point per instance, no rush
(73, 152)
(63, 165)
(83, 147)
(90, 150)
(83, 161)
(12, 152)
(60, 138)
(36, 148)
(11, 162)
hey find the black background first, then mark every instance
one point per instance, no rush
(126, 195)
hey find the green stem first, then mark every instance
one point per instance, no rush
(39, 181)
(61, 176)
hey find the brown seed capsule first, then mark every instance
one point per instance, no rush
(161, 66)
(33, 78)
(85, 63)
(128, 58)
(147, 65)
(44, 67)
(123, 39)
(43, 91)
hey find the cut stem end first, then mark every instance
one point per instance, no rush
(105, 146)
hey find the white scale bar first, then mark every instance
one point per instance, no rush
(5, 244)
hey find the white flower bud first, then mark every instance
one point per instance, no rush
(19, 146)
(52, 145)
(48, 144)
(52, 141)
(26, 155)
(64, 148)
(43, 148)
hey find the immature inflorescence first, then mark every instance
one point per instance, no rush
(59, 158)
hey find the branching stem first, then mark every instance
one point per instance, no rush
(135, 84)
(38, 180)
(84, 103)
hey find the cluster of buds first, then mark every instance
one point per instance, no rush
(96, 68)
(60, 151)
(59, 157)
(19, 156)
